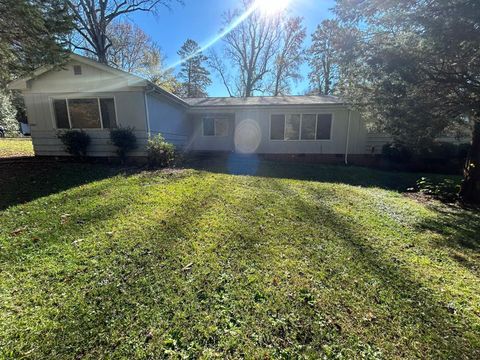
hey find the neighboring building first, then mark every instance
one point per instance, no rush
(87, 95)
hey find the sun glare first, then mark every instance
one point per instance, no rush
(272, 7)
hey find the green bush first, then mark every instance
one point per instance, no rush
(439, 151)
(160, 153)
(397, 153)
(76, 142)
(125, 141)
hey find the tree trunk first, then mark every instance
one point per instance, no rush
(470, 191)
(102, 57)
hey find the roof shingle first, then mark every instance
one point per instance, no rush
(265, 100)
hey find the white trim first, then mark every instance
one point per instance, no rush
(100, 113)
(147, 115)
(316, 123)
(215, 119)
(348, 137)
(68, 114)
(331, 127)
(270, 126)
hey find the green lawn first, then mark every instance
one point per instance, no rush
(15, 148)
(96, 262)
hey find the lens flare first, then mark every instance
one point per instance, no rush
(272, 7)
(267, 7)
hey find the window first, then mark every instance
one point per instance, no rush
(209, 127)
(309, 124)
(324, 126)
(77, 70)
(61, 114)
(107, 107)
(301, 127)
(85, 113)
(292, 127)
(215, 127)
(277, 127)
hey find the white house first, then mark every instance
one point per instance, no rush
(85, 94)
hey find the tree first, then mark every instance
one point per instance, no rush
(93, 17)
(414, 67)
(290, 56)
(131, 48)
(322, 58)
(166, 80)
(33, 33)
(133, 51)
(250, 48)
(8, 121)
(193, 75)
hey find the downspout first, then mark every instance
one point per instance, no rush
(147, 113)
(348, 137)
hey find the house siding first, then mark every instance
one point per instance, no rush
(155, 111)
(255, 122)
(130, 111)
(169, 119)
(199, 142)
(129, 103)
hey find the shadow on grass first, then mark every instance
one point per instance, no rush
(236, 164)
(26, 181)
(412, 305)
(460, 234)
(179, 280)
(147, 269)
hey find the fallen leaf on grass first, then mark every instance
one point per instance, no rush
(19, 230)
(64, 218)
(187, 267)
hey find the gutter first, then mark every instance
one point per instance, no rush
(348, 137)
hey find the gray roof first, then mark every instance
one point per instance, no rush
(264, 101)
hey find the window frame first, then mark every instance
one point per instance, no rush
(286, 114)
(215, 119)
(98, 98)
(331, 127)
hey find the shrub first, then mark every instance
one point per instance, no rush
(125, 141)
(160, 152)
(76, 142)
(397, 153)
(439, 151)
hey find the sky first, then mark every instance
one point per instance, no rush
(201, 20)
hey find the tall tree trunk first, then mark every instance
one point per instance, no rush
(470, 191)
(102, 56)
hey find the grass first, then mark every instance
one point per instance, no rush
(96, 263)
(15, 148)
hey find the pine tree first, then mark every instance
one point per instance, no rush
(322, 58)
(194, 77)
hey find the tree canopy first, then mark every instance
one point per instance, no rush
(261, 55)
(414, 67)
(93, 17)
(33, 33)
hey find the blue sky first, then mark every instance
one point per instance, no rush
(201, 20)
